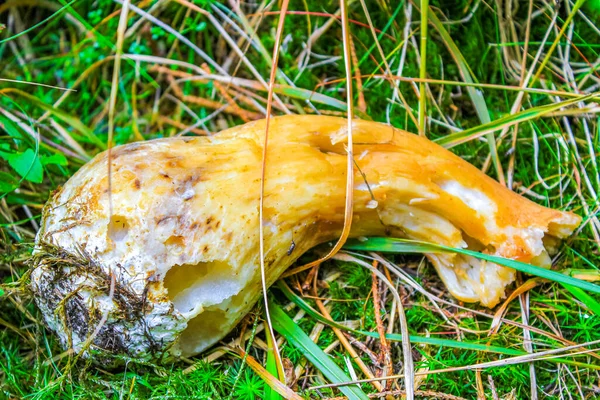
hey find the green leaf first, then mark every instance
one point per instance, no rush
(8, 183)
(27, 164)
(55, 159)
(10, 127)
(296, 336)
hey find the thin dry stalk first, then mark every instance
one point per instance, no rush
(235, 48)
(479, 385)
(182, 126)
(261, 228)
(539, 356)
(113, 98)
(385, 357)
(229, 108)
(346, 344)
(348, 206)
(362, 104)
(511, 161)
(493, 388)
(429, 394)
(227, 97)
(409, 369)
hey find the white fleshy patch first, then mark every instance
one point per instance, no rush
(473, 198)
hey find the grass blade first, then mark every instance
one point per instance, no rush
(299, 301)
(393, 245)
(585, 298)
(274, 349)
(506, 121)
(266, 376)
(432, 341)
(296, 336)
(271, 367)
(63, 116)
(423, 67)
(476, 95)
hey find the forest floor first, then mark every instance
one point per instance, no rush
(515, 82)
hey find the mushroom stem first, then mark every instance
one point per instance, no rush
(183, 237)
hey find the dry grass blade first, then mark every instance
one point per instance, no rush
(234, 46)
(476, 95)
(273, 382)
(348, 207)
(397, 93)
(542, 355)
(385, 356)
(530, 284)
(409, 369)
(113, 98)
(344, 340)
(262, 184)
(429, 394)
(174, 32)
(511, 162)
(423, 67)
(37, 84)
(348, 346)
(556, 41)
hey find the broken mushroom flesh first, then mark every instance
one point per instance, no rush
(175, 265)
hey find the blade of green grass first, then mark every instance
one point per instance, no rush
(271, 367)
(394, 245)
(299, 301)
(432, 341)
(272, 382)
(63, 116)
(585, 298)
(296, 336)
(54, 15)
(476, 95)
(387, 26)
(508, 120)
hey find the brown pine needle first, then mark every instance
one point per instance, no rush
(346, 343)
(238, 110)
(182, 126)
(385, 357)
(362, 104)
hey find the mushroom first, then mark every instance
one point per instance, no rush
(166, 262)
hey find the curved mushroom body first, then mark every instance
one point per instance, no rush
(180, 252)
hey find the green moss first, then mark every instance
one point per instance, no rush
(80, 40)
